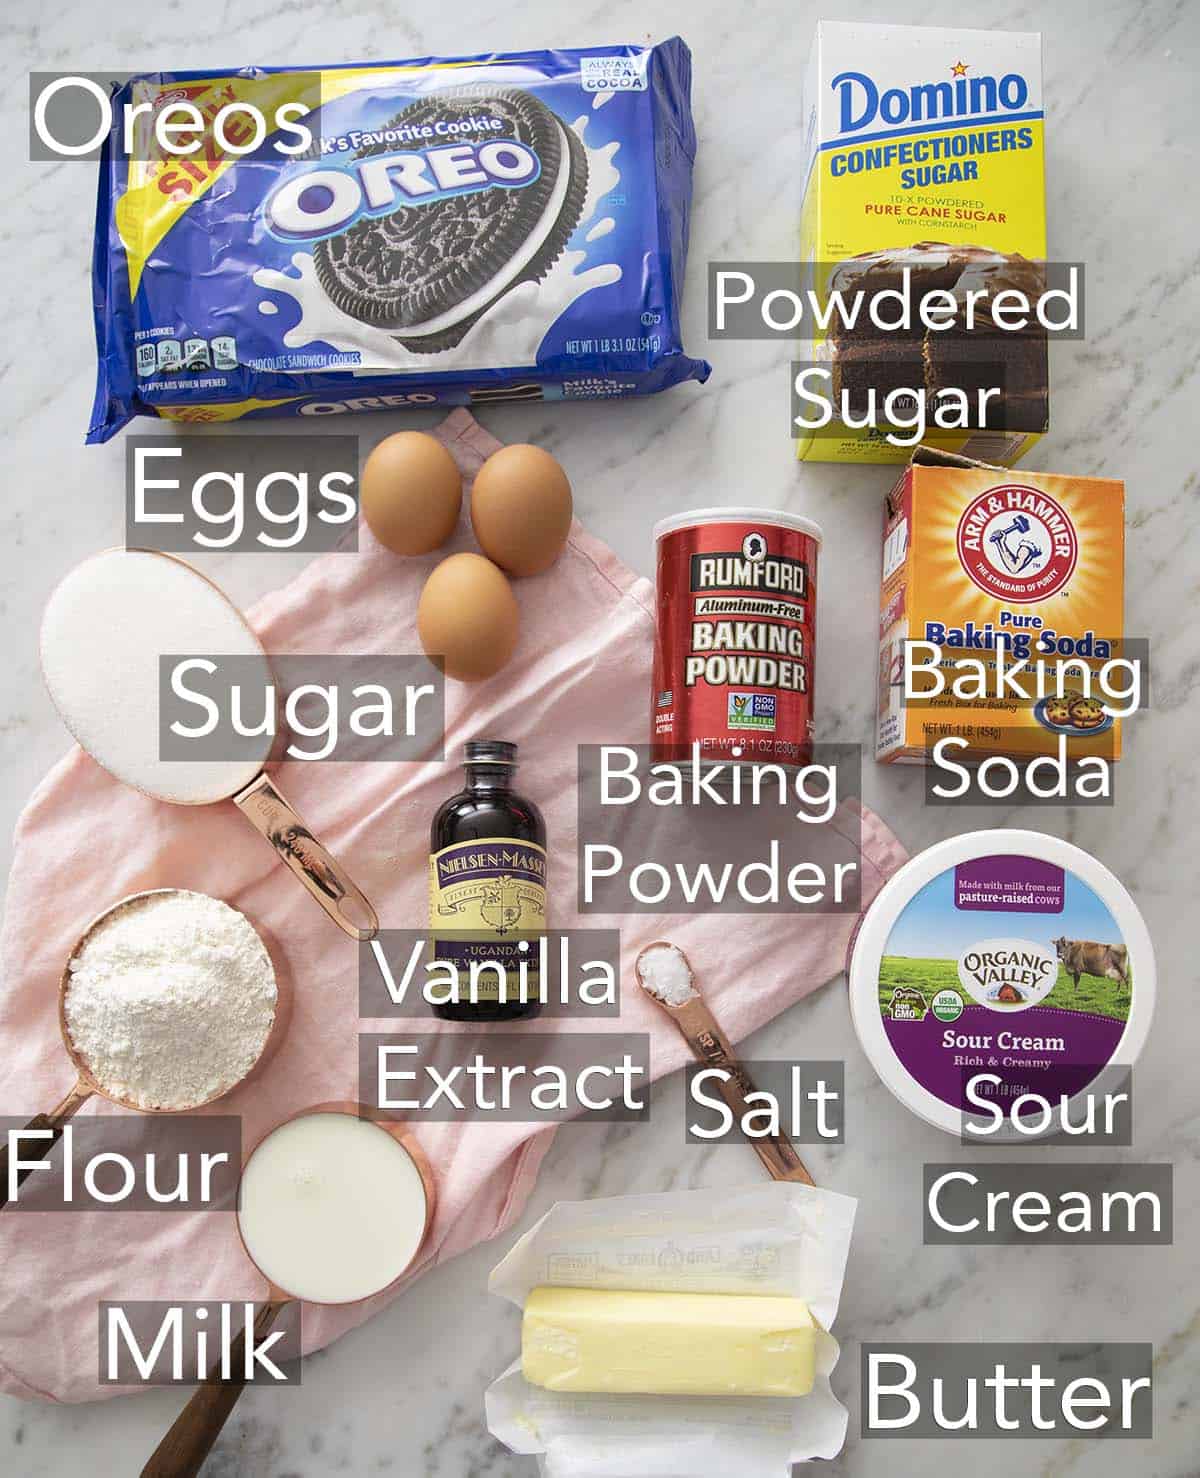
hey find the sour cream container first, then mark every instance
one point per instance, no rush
(1007, 958)
(733, 652)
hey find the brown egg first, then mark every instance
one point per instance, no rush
(411, 493)
(467, 616)
(521, 509)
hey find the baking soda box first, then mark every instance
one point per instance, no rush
(975, 557)
(924, 150)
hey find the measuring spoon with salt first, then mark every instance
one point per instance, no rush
(105, 631)
(665, 973)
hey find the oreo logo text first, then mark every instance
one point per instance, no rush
(324, 201)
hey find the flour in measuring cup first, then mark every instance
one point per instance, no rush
(170, 1001)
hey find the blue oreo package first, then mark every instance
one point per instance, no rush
(432, 232)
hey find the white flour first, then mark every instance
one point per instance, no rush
(171, 1001)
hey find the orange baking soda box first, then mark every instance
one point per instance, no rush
(1000, 568)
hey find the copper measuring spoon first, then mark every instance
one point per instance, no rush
(86, 1083)
(710, 1045)
(259, 799)
(182, 1452)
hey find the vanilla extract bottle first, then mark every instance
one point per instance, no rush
(487, 891)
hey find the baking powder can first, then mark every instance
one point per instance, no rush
(733, 652)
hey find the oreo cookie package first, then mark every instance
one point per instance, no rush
(450, 232)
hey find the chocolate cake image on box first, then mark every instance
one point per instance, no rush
(967, 356)
(983, 355)
(427, 271)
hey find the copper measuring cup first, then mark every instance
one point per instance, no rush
(182, 1452)
(86, 1084)
(259, 800)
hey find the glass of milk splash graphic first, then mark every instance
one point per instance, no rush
(999, 964)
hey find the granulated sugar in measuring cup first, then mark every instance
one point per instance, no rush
(333, 1207)
(168, 1001)
(104, 631)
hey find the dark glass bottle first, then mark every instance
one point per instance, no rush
(487, 886)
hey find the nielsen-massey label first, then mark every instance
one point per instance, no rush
(485, 898)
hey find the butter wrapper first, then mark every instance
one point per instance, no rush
(779, 1238)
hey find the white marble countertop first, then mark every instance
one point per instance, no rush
(403, 1394)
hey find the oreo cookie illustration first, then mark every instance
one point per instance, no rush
(505, 392)
(429, 269)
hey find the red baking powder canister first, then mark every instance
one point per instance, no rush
(733, 649)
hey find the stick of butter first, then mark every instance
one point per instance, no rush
(667, 1344)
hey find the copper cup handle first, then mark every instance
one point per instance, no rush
(317, 869)
(55, 1121)
(182, 1451)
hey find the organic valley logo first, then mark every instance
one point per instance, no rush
(1017, 543)
(861, 103)
(1008, 974)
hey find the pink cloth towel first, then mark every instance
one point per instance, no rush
(581, 672)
